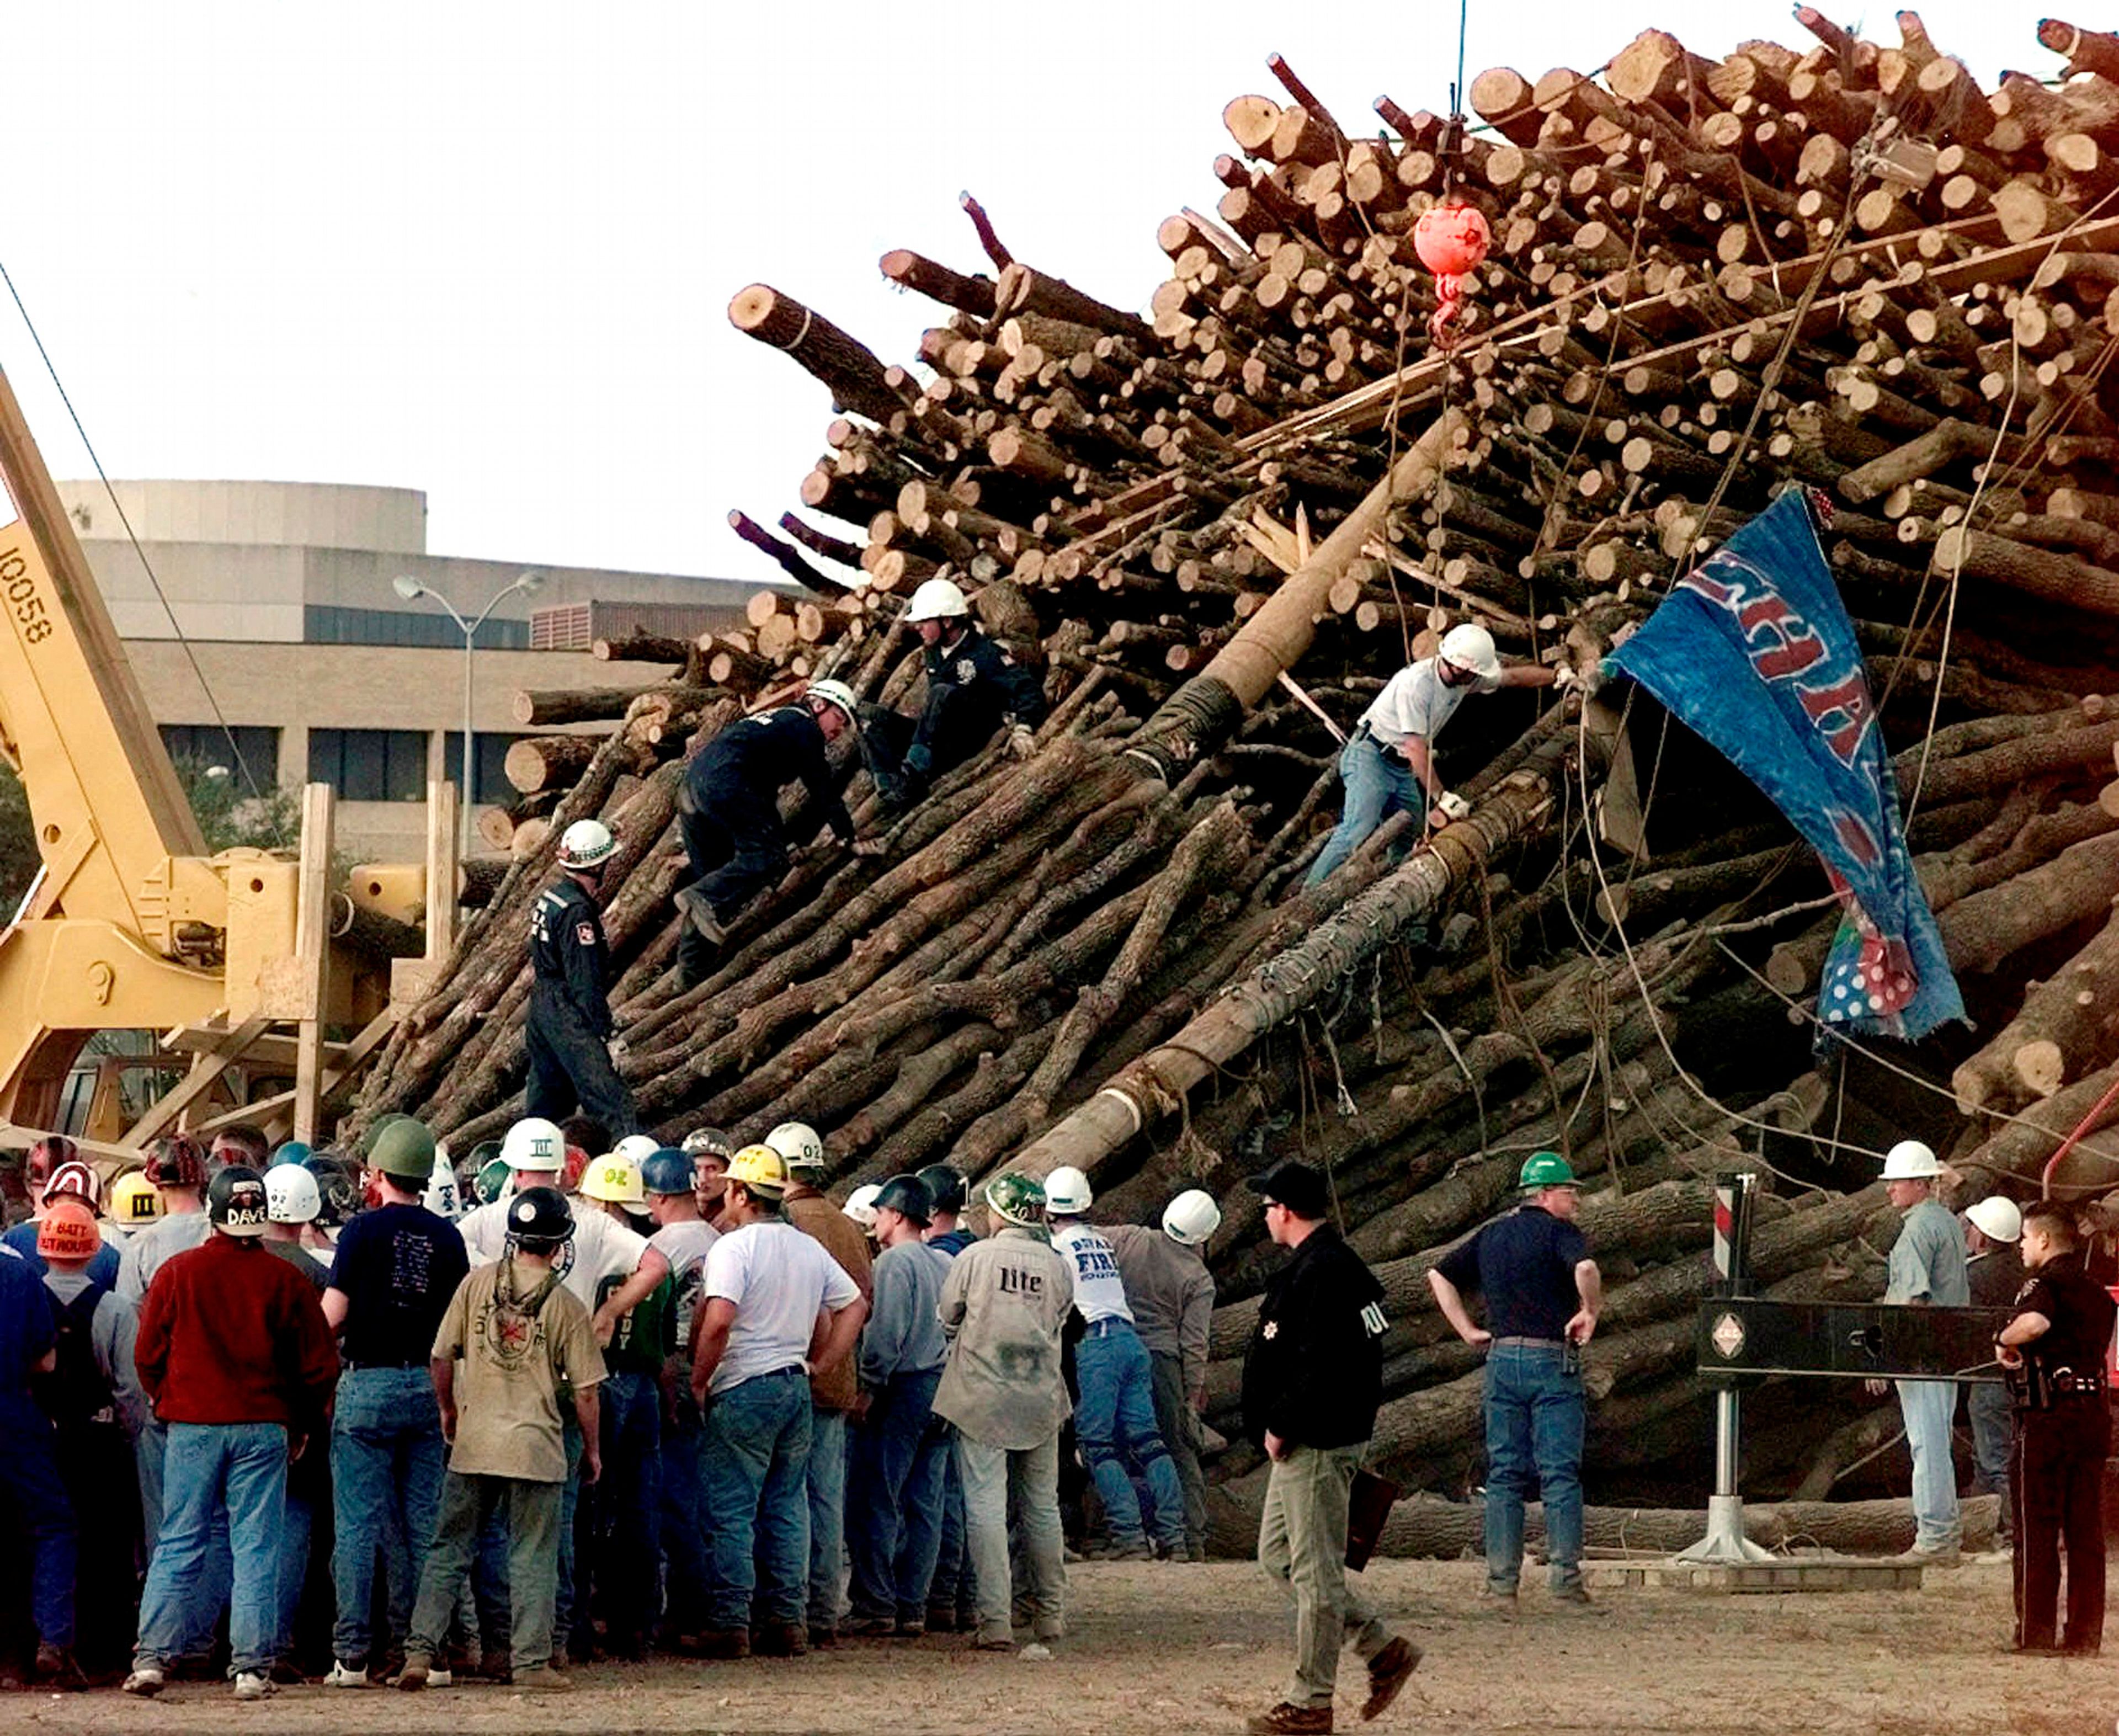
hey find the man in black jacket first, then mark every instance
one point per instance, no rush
(572, 1046)
(728, 812)
(972, 683)
(1313, 1378)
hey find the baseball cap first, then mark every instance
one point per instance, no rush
(1300, 1187)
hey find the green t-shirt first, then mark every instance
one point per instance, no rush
(646, 1337)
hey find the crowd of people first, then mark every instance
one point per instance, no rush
(283, 1416)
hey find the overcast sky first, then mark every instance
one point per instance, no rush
(487, 250)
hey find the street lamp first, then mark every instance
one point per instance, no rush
(411, 589)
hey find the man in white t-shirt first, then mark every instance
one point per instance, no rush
(775, 1307)
(1389, 764)
(1115, 1411)
(682, 1238)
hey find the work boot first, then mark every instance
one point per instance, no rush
(544, 1679)
(1389, 1672)
(1573, 1592)
(941, 1618)
(418, 1667)
(724, 1643)
(1916, 1557)
(286, 1674)
(909, 1627)
(823, 1638)
(871, 1626)
(780, 1639)
(1139, 1550)
(1288, 1718)
(57, 1670)
(693, 906)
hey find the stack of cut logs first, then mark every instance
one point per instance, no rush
(1850, 267)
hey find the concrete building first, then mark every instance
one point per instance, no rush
(290, 625)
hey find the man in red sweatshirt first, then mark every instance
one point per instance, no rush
(236, 1357)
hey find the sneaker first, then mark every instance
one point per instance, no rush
(724, 1643)
(253, 1684)
(56, 1670)
(438, 1676)
(1389, 1672)
(414, 1676)
(343, 1674)
(1140, 1551)
(1289, 1719)
(145, 1681)
(994, 1642)
(544, 1679)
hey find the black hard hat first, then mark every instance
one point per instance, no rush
(541, 1214)
(340, 1199)
(235, 1202)
(908, 1195)
(945, 1187)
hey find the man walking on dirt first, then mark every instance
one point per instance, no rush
(1312, 1380)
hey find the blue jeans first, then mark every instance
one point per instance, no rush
(239, 1471)
(200, 1616)
(570, 1500)
(30, 1486)
(753, 1472)
(297, 1524)
(894, 1498)
(1929, 1407)
(1115, 1422)
(1993, 1435)
(683, 1524)
(1535, 1415)
(628, 1503)
(387, 1460)
(1378, 784)
(954, 1587)
(826, 1478)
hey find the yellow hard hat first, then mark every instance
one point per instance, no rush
(761, 1169)
(134, 1201)
(615, 1179)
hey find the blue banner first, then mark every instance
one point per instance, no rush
(1753, 650)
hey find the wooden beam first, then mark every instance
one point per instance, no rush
(273, 1049)
(211, 1059)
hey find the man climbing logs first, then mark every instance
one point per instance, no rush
(573, 1051)
(1389, 764)
(729, 811)
(972, 683)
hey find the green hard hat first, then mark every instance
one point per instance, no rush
(491, 1181)
(1547, 1169)
(376, 1128)
(405, 1149)
(1016, 1199)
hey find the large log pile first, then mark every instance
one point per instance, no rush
(1849, 267)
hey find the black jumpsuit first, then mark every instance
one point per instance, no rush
(970, 686)
(570, 1021)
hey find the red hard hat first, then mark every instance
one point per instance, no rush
(175, 1161)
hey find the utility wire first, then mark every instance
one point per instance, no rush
(241, 765)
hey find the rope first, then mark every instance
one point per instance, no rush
(147, 566)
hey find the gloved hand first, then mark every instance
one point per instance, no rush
(615, 1047)
(1023, 741)
(918, 760)
(1566, 676)
(1452, 806)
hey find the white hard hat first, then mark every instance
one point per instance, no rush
(1067, 1191)
(291, 1195)
(1910, 1161)
(1471, 647)
(639, 1147)
(441, 1197)
(861, 1205)
(798, 1145)
(1999, 1219)
(586, 843)
(534, 1143)
(1192, 1218)
(937, 599)
(835, 693)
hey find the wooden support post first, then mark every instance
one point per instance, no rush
(312, 955)
(207, 1066)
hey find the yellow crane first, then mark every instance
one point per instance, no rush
(244, 961)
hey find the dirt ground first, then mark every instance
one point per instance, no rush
(1157, 1650)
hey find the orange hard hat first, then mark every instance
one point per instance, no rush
(68, 1230)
